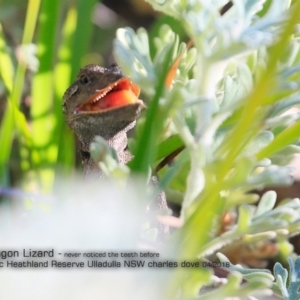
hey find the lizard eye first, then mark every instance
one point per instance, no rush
(85, 79)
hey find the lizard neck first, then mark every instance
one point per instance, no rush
(117, 141)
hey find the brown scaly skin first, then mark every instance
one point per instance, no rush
(102, 101)
(112, 124)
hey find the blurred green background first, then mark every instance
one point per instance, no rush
(42, 46)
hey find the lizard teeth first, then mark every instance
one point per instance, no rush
(99, 97)
(91, 103)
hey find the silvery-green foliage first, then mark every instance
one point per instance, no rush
(288, 282)
(261, 223)
(227, 101)
(107, 159)
(239, 81)
(132, 53)
(258, 282)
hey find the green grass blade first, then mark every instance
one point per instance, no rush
(6, 65)
(82, 34)
(147, 148)
(285, 138)
(43, 120)
(168, 146)
(9, 121)
(63, 70)
(76, 36)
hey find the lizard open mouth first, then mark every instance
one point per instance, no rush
(120, 93)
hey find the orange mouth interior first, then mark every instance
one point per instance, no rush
(120, 93)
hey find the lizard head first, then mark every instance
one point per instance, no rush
(101, 101)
